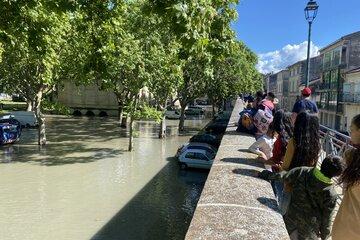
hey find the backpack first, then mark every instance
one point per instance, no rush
(262, 120)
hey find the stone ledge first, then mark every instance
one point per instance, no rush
(235, 204)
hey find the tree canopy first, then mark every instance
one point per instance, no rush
(177, 49)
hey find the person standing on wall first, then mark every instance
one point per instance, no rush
(304, 105)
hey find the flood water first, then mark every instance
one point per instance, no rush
(85, 185)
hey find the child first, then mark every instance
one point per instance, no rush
(263, 147)
(347, 221)
(313, 198)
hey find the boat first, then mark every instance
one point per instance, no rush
(10, 131)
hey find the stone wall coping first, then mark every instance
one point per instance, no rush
(234, 203)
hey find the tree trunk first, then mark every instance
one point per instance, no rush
(120, 111)
(182, 117)
(40, 119)
(124, 121)
(213, 109)
(131, 137)
(162, 133)
(30, 105)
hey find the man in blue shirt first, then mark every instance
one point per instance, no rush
(304, 104)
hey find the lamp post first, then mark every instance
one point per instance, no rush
(310, 14)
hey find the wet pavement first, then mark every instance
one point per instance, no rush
(85, 185)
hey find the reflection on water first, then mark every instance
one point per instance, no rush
(83, 185)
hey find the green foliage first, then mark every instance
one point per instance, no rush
(144, 112)
(179, 47)
(55, 108)
(33, 35)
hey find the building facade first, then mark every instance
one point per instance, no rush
(296, 78)
(282, 89)
(89, 98)
(350, 97)
(339, 59)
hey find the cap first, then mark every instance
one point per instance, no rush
(306, 91)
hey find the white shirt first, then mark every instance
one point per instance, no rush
(264, 144)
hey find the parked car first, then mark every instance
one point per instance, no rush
(10, 131)
(18, 98)
(202, 102)
(172, 114)
(26, 119)
(207, 138)
(196, 145)
(194, 110)
(216, 127)
(196, 158)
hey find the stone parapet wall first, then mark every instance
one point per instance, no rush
(235, 204)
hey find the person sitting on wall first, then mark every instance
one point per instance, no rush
(304, 104)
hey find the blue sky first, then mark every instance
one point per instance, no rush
(278, 27)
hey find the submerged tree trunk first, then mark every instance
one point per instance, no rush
(162, 132)
(213, 109)
(124, 119)
(30, 105)
(131, 134)
(40, 119)
(182, 117)
(120, 111)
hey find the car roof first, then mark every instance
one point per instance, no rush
(195, 150)
(200, 144)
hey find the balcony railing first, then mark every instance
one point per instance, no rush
(327, 86)
(350, 97)
(328, 107)
(335, 143)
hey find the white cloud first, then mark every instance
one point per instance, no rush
(280, 59)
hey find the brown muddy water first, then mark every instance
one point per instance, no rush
(85, 185)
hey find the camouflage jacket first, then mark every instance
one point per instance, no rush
(313, 199)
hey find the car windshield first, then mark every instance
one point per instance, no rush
(209, 155)
(200, 147)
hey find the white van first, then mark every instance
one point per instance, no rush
(26, 119)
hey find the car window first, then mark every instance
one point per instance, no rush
(201, 156)
(210, 155)
(190, 155)
(203, 148)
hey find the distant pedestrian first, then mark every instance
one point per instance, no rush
(347, 222)
(259, 96)
(304, 104)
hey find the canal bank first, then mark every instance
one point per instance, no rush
(83, 185)
(235, 203)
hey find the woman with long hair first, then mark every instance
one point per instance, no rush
(282, 126)
(347, 221)
(304, 148)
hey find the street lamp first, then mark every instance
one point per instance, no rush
(310, 14)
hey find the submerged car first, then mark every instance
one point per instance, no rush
(207, 138)
(172, 114)
(10, 131)
(196, 145)
(26, 118)
(194, 110)
(196, 158)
